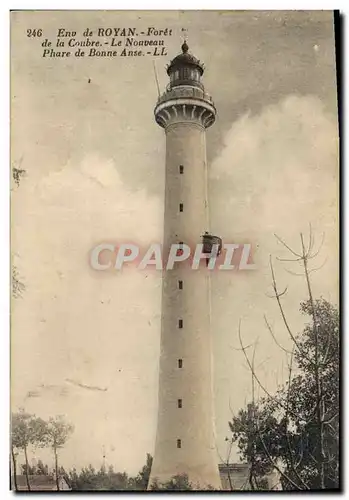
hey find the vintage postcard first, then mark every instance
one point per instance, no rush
(174, 250)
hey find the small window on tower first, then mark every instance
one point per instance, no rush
(181, 169)
(181, 207)
(180, 323)
(179, 443)
(185, 73)
(180, 284)
(180, 363)
(195, 75)
(179, 402)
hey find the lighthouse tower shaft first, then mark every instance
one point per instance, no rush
(185, 442)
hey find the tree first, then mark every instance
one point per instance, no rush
(30, 469)
(245, 432)
(179, 482)
(89, 479)
(58, 432)
(18, 173)
(26, 430)
(41, 469)
(296, 430)
(14, 454)
(17, 285)
(83, 480)
(140, 482)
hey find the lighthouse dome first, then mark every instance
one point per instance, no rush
(185, 59)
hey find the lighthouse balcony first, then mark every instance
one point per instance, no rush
(185, 105)
(182, 91)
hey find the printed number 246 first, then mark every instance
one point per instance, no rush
(34, 32)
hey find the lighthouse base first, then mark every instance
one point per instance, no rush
(199, 477)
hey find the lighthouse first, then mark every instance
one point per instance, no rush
(185, 439)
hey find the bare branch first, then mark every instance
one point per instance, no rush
(273, 335)
(311, 240)
(283, 314)
(289, 260)
(329, 420)
(286, 246)
(317, 268)
(256, 378)
(293, 273)
(280, 294)
(312, 256)
(241, 349)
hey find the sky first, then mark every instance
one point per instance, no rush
(85, 344)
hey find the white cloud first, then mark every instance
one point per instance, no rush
(75, 323)
(278, 169)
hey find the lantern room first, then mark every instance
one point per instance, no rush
(185, 69)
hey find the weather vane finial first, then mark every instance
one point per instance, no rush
(185, 47)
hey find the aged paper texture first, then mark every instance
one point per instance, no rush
(174, 250)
